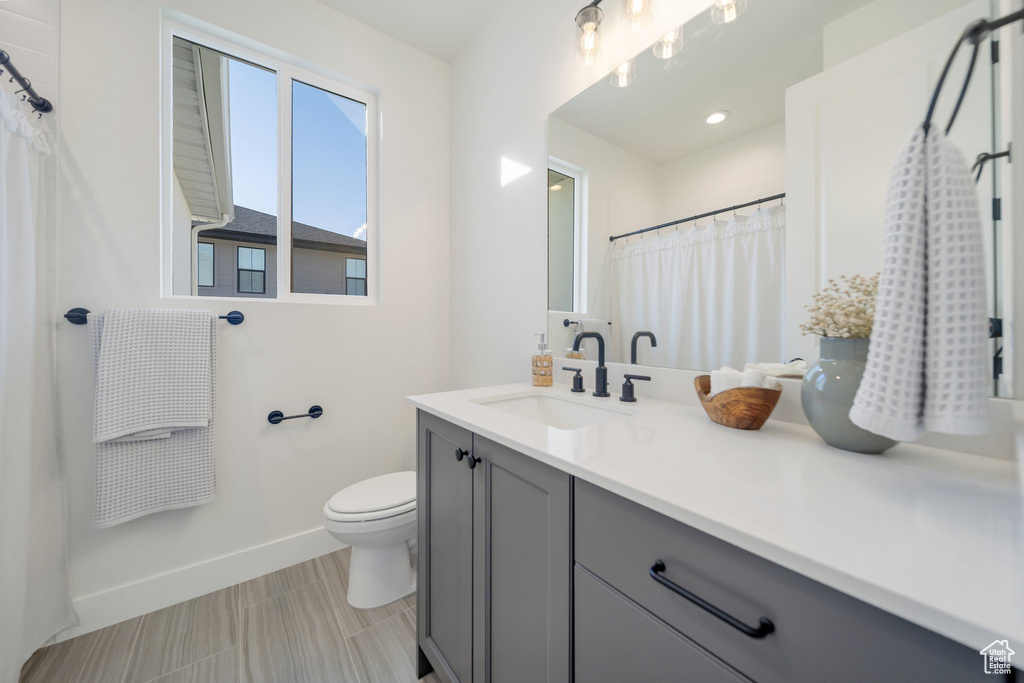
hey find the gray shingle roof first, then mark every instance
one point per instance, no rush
(255, 226)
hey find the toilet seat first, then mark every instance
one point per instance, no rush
(377, 498)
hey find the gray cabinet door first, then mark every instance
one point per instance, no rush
(445, 537)
(522, 568)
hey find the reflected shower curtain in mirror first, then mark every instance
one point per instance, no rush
(35, 603)
(712, 293)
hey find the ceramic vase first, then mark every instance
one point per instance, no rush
(828, 391)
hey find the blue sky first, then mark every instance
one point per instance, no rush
(328, 151)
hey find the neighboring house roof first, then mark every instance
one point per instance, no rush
(202, 140)
(261, 228)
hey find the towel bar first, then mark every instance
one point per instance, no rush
(277, 417)
(79, 316)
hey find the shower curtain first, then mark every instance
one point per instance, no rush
(35, 602)
(712, 294)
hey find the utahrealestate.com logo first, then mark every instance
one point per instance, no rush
(997, 657)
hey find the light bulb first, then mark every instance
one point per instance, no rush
(623, 75)
(637, 13)
(669, 45)
(716, 117)
(588, 39)
(555, 188)
(725, 11)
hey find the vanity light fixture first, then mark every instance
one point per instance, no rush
(588, 38)
(716, 117)
(725, 11)
(623, 75)
(637, 14)
(669, 44)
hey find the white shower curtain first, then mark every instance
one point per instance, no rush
(712, 294)
(35, 602)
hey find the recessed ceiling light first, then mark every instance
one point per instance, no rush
(555, 188)
(716, 117)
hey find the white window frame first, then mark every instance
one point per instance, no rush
(579, 231)
(287, 69)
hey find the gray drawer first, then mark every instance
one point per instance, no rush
(616, 641)
(820, 633)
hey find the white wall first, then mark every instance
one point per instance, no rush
(735, 172)
(520, 67)
(357, 362)
(876, 22)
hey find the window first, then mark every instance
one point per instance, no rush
(252, 270)
(566, 243)
(275, 160)
(204, 268)
(355, 276)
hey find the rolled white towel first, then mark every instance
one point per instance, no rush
(796, 367)
(752, 377)
(726, 378)
(771, 383)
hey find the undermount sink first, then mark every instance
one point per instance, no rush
(560, 412)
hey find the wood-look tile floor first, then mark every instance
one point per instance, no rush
(292, 626)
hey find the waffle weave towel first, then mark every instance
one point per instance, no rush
(927, 366)
(155, 372)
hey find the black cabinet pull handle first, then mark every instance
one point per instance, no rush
(471, 460)
(765, 626)
(460, 453)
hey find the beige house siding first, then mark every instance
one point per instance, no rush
(225, 269)
(314, 271)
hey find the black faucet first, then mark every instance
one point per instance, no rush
(601, 374)
(632, 352)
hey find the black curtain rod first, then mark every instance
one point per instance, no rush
(29, 94)
(762, 200)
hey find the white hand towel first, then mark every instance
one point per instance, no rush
(752, 377)
(724, 379)
(156, 375)
(771, 383)
(927, 362)
(795, 367)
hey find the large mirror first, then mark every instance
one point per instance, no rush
(794, 113)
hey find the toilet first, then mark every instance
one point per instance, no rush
(377, 517)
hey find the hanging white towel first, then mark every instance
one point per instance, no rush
(927, 362)
(156, 375)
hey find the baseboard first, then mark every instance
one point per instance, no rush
(99, 610)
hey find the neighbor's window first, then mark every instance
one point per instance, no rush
(355, 276)
(205, 265)
(243, 177)
(252, 270)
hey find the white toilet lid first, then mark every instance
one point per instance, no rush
(385, 492)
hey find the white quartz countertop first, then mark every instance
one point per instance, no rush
(933, 536)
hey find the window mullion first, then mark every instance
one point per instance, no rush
(284, 174)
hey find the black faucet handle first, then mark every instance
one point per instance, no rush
(577, 380)
(628, 394)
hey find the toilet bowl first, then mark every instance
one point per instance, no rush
(377, 517)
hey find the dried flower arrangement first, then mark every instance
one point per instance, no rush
(844, 309)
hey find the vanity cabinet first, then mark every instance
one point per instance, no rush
(529, 574)
(816, 633)
(494, 600)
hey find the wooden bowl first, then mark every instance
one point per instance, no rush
(741, 408)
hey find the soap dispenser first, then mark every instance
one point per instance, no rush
(542, 366)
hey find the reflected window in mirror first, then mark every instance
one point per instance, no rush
(565, 238)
